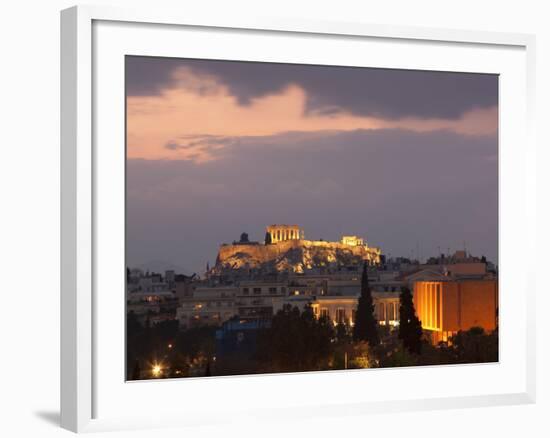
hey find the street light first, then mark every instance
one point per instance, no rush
(156, 370)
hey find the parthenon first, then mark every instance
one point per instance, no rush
(280, 233)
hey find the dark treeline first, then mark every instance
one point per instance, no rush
(296, 341)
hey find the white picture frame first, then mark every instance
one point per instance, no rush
(83, 369)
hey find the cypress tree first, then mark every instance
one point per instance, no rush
(267, 238)
(365, 328)
(410, 327)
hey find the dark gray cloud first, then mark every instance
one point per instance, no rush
(397, 188)
(386, 93)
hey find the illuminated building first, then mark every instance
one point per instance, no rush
(352, 241)
(342, 309)
(447, 306)
(280, 233)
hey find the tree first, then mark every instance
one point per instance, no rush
(296, 341)
(343, 332)
(268, 238)
(365, 328)
(474, 346)
(410, 327)
(400, 357)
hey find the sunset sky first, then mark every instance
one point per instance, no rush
(407, 159)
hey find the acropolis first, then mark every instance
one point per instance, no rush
(286, 249)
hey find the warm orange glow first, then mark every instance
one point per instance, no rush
(450, 306)
(156, 369)
(154, 121)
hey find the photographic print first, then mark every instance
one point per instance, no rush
(295, 218)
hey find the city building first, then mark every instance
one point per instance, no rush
(257, 299)
(149, 297)
(341, 309)
(334, 296)
(449, 305)
(156, 306)
(239, 336)
(207, 306)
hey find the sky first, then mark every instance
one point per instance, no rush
(406, 159)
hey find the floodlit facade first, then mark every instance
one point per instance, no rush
(448, 306)
(280, 233)
(352, 241)
(341, 310)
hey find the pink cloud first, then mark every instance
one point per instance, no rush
(198, 117)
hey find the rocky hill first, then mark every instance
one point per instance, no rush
(291, 255)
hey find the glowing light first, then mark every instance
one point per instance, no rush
(156, 370)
